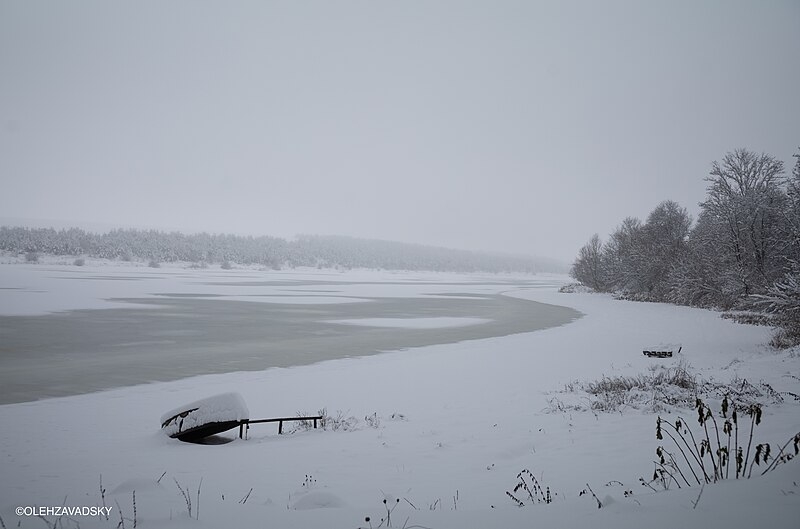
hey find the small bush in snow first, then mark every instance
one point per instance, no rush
(226, 265)
(662, 389)
(79, 262)
(748, 317)
(373, 421)
(328, 422)
(528, 491)
(718, 447)
(154, 264)
(31, 257)
(784, 339)
(662, 386)
(782, 302)
(340, 421)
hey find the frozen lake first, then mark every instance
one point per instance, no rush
(66, 330)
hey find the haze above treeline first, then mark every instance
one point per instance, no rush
(203, 249)
(502, 126)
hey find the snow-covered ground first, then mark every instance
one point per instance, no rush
(443, 433)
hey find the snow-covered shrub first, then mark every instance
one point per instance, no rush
(340, 421)
(373, 421)
(662, 386)
(575, 288)
(154, 264)
(79, 261)
(782, 300)
(644, 297)
(226, 265)
(31, 257)
(748, 317)
(661, 389)
(784, 339)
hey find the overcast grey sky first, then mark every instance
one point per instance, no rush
(509, 126)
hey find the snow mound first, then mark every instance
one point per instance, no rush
(318, 499)
(219, 408)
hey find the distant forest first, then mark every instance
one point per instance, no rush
(742, 253)
(307, 250)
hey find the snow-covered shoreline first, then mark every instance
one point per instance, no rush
(456, 424)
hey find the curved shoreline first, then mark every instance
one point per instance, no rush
(83, 351)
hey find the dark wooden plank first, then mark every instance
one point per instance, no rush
(280, 419)
(245, 423)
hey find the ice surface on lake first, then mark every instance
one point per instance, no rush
(31, 289)
(114, 325)
(414, 323)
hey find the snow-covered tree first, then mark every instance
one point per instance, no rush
(661, 244)
(792, 214)
(704, 276)
(622, 255)
(745, 195)
(782, 300)
(272, 252)
(588, 267)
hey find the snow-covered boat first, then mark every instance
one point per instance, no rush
(205, 417)
(220, 413)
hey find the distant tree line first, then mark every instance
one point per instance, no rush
(743, 253)
(272, 252)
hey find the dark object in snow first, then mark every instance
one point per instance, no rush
(193, 435)
(663, 351)
(203, 418)
(245, 424)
